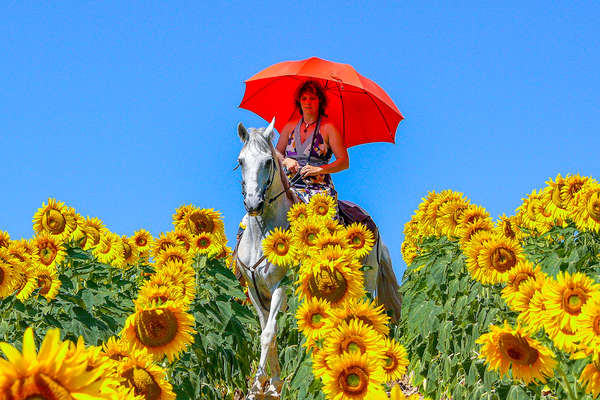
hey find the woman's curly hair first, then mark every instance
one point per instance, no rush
(315, 88)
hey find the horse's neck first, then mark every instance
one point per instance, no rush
(273, 215)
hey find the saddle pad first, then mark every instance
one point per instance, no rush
(350, 212)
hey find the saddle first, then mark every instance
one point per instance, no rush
(350, 213)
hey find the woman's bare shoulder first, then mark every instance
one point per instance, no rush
(291, 124)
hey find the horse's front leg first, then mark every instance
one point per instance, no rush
(268, 341)
(260, 378)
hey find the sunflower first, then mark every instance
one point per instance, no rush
(306, 231)
(449, 216)
(520, 274)
(25, 273)
(162, 329)
(590, 377)
(497, 258)
(143, 240)
(311, 317)
(320, 363)
(279, 247)
(180, 213)
(359, 309)
(533, 303)
(354, 336)
(552, 198)
(160, 294)
(332, 258)
(176, 274)
(395, 361)
(533, 213)
(49, 374)
(330, 240)
(206, 243)
(343, 282)
(164, 241)
(202, 220)
(421, 214)
(297, 213)
(48, 251)
(94, 230)
(572, 185)
(173, 253)
(54, 220)
(588, 325)
(586, 212)
(109, 248)
(434, 208)
(466, 231)
(409, 251)
(472, 250)
(322, 206)
(145, 377)
(566, 340)
(4, 239)
(47, 281)
(117, 349)
(7, 273)
(354, 376)
(509, 227)
(359, 238)
(566, 296)
(128, 255)
(504, 347)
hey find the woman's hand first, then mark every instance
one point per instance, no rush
(291, 165)
(310, 170)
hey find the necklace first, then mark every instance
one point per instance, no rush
(307, 124)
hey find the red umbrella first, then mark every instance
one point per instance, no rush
(360, 109)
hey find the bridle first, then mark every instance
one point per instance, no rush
(291, 196)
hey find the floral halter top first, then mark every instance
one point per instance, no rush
(313, 151)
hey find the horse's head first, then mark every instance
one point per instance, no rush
(259, 166)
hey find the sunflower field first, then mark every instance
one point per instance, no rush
(505, 309)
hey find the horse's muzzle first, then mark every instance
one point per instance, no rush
(254, 205)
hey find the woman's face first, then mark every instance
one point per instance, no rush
(309, 103)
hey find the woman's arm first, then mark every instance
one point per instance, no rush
(336, 144)
(290, 164)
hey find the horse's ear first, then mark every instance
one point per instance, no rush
(270, 131)
(242, 132)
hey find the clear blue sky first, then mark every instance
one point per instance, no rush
(127, 110)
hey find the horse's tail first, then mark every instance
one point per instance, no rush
(387, 285)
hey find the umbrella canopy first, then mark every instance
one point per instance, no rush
(357, 106)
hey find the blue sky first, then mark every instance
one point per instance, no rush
(127, 110)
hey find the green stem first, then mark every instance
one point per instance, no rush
(566, 385)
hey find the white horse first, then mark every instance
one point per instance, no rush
(268, 198)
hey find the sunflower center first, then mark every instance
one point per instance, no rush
(353, 380)
(503, 259)
(54, 221)
(520, 278)
(329, 285)
(156, 327)
(281, 248)
(44, 282)
(141, 241)
(203, 243)
(390, 362)
(143, 383)
(573, 300)
(517, 349)
(311, 238)
(94, 234)
(358, 241)
(593, 206)
(351, 346)
(201, 223)
(322, 210)
(317, 320)
(47, 253)
(1, 276)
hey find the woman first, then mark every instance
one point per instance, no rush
(307, 144)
